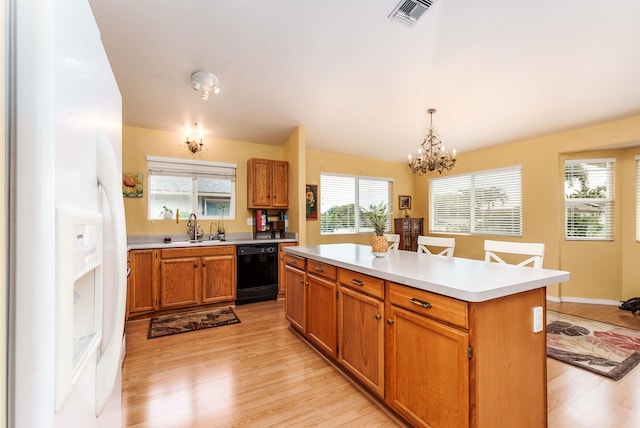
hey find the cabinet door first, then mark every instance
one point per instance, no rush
(259, 183)
(218, 278)
(321, 315)
(361, 333)
(296, 292)
(141, 281)
(427, 370)
(179, 280)
(280, 188)
(281, 266)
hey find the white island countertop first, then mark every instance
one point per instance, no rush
(465, 279)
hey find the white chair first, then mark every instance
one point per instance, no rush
(393, 239)
(535, 250)
(431, 241)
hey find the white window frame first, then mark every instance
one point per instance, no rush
(512, 204)
(608, 201)
(357, 229)
(193, 169)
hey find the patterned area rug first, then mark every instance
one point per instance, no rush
(181, 323)
(606, 349)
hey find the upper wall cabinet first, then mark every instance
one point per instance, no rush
(267, 183)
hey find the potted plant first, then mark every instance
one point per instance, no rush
(221, 231)
(378, 216)
(166, 212)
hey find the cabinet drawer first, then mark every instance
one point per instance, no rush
(169, 253)
(322, 269)
(436, 306)
(296, 261)
(363, 283)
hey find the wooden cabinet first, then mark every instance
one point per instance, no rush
(179, 279)
(296, 292)
(281, 265)
(141, 283)
(426, 357)
(435, 360)
(321, 306)
(194, 276)
(219, 274)
(409, 229)
(361, 329)
(267, 184)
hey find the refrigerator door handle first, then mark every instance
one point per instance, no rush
(110, 178)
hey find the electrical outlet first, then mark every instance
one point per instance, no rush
(537, 319)
(249, 221)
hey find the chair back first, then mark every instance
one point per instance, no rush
(535, 250)
(393, 239)
(424, 242)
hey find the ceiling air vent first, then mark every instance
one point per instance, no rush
(409, 11)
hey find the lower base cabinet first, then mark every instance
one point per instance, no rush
(174, 278)
(435, 360)
(427, 369)
(361, 332)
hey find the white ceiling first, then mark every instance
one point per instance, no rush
(360, 83)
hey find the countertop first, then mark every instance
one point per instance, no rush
(144, 242)
(465, 279)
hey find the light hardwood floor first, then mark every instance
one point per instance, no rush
(259, 374)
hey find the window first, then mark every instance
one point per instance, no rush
(340, 194)
(487, 203)
(588, 189)
(205, 188)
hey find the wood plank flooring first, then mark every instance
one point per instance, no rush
(259, 374)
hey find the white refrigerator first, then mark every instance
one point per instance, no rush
(67, 237)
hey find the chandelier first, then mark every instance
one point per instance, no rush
(192, 145)
(431, 154)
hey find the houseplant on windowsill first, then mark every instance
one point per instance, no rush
(221, 230)
(166, 213)
(377, 215)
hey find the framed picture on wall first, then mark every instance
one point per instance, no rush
(312, 201)
(405, 202)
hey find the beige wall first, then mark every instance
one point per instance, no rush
(137, 143)
(317, 162)
(601, 271)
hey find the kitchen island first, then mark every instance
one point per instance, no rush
(442, 342)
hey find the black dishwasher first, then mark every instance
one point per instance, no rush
(256, 273)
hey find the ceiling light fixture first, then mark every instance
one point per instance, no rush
(205, 83)
(192, 145)
(431, 154)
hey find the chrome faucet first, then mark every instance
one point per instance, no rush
(192, 228)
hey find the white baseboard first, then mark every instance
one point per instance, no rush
(569, 299)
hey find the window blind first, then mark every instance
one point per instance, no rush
(342, 196)
(191, 168)
(486, 202)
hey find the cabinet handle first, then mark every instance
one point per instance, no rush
(302, 282)
(195, 264)
(357, 282)
(292, 261)
(390, 321)
(420, 303)
(378, 316)
(319, 268)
